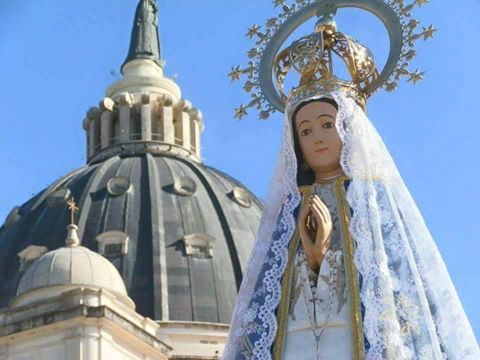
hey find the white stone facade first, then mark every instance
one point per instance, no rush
(81, 324)
(194, 340)
(88, 324)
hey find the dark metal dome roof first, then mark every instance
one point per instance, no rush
(190, 230)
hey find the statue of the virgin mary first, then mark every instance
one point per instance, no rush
(344, 266)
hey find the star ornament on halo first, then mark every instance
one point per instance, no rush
(253, 31)
(416, 77)
(421, 2)
(429, 32)
(410, 55)
(235, 73)
(413, 23)
(240, 112)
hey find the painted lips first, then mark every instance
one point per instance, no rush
(321, 150)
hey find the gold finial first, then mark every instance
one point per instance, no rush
(72, 206)
(327, 24)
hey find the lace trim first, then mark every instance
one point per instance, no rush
(411, 307)
(412, 311)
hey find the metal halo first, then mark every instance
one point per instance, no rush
(377, 7)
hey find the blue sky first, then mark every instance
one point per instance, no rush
(57, 56)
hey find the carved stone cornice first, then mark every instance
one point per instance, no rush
(146, 98)
(125, 99)
(106, 104)
(184, 105)
(165, 100)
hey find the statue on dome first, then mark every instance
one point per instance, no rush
(344, 266)
(145, 42)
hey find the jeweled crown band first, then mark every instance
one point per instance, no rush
(319, 88)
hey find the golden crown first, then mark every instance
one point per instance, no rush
(312, 56)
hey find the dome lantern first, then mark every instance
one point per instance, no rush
(143, 112)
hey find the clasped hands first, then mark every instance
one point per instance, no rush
(315, 227)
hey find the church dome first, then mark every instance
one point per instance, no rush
(66, 268)
(179, 233)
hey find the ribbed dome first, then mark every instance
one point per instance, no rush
(190, 230)
(69, 267)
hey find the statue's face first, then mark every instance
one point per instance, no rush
(319, 141)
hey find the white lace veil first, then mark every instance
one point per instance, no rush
(411, 308)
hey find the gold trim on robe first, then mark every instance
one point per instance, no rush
(350, 273)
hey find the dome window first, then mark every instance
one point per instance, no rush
(58, 197)
(119, 185)
(112, 244)
(185, 186)
(12, 217)
(199, 245)
(29, 255)
(241, 197)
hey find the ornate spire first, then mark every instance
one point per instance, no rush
(72, 235)
(145, 43)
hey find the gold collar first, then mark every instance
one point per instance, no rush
(307, 189)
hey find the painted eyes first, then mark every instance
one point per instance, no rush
(327, 125)
(306, 132)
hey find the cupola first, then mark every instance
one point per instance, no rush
(143, 112)
(67, 268)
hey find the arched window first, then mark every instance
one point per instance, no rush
(177, 126)
(115, 128)
(136, 122)
(157, 124)
(199, 245)
(193, 135)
